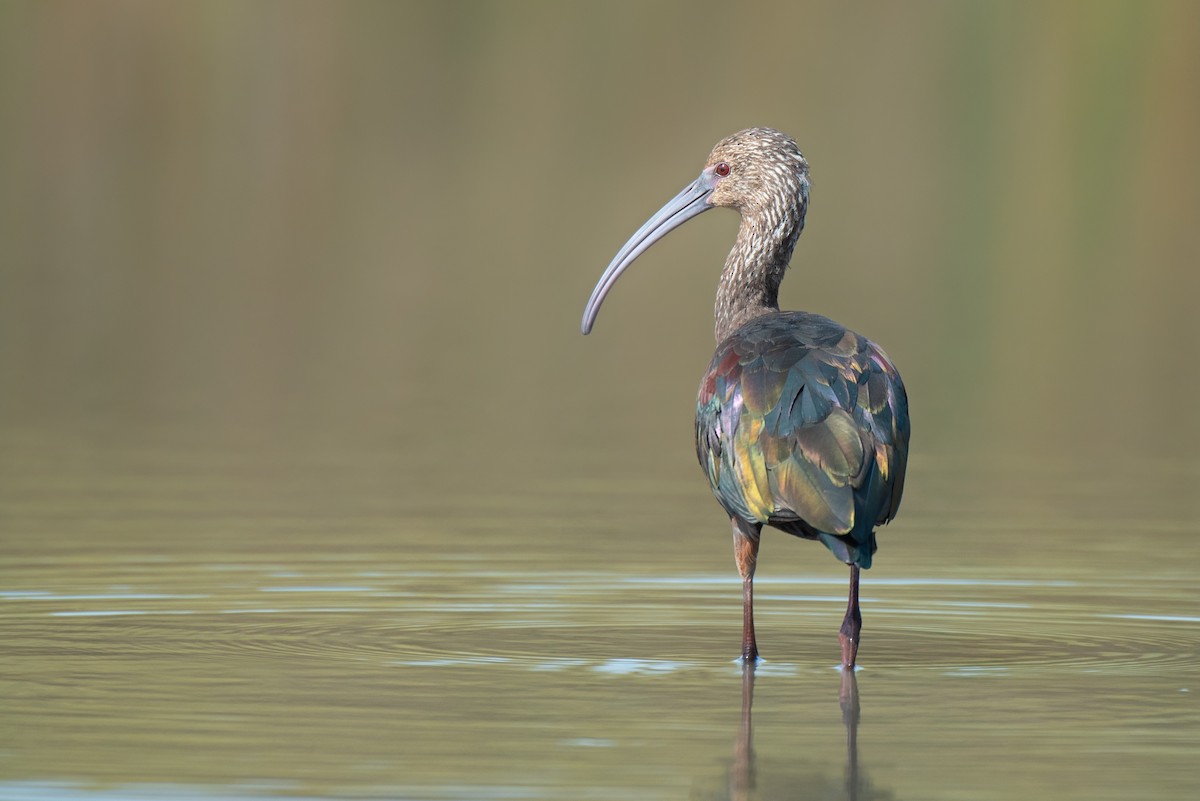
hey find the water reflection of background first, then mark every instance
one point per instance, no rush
(290, 296)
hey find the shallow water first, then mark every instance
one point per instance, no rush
(233, 630)
(310, 488)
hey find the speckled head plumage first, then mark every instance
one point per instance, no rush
(766, 168)
(761, 174)
(765, 179)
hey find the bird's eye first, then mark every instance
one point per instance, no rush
(722, 169)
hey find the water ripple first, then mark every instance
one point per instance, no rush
(622, 625)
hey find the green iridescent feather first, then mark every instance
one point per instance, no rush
(803, 425)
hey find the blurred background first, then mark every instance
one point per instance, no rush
(320, 216)
(289, 301)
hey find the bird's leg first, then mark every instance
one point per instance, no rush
(852, 624)
(745, 553)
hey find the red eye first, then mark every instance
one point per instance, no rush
(722, 169)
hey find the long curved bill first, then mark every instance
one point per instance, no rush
(687, 204)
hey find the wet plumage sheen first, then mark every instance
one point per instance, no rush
(801, 424)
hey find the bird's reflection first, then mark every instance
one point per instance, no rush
(774, 782)
(741, 777)
(848, 698)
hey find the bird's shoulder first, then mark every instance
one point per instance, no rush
(777, 354)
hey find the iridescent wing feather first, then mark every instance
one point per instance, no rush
(803, 425)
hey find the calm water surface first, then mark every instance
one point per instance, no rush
(310, 488)
(215, 621)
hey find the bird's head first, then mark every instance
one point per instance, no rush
(759, 172)
(756, 169)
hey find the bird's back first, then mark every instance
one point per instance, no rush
(802, 424)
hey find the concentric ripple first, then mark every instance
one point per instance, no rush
(617, 624)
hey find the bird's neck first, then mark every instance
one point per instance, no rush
(754, 269)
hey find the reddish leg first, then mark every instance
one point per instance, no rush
(745, 553)
(852, 624)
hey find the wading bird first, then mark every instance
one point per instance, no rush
(801, 424)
